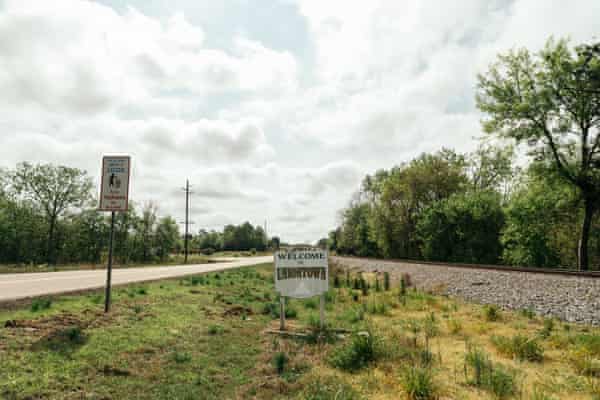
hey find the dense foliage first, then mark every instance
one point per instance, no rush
(479, 207)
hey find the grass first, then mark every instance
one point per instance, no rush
(207, 336)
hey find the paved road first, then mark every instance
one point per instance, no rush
(19, 286)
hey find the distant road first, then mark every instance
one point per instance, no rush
(20, 286)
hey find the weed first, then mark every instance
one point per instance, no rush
(280, 361)
(430, 326)
(405, 277)
(491, 313)
(40, 304)
(519, 347)
(142, 290)
(182, 357)
(311, 304)
(418, 384)
(356, 354)
(348, 282)
(215, 329)
(336, 281)
(527, 313)
(454, 326)
(354, 315)
(329, 388)
(138, 309)
(376, 308)
(386, 281)
(548, 328)
(487, 375)
(377, 285)
(74, 334)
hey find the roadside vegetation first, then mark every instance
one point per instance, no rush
(483, 207)
(211, 336)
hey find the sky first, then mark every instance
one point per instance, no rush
(273, 109)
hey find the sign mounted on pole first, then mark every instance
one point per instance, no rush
(114, 186)
(114, 196)
(301, 273)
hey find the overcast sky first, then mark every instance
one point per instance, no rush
(274, 109)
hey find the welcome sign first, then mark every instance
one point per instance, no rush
(301, 272)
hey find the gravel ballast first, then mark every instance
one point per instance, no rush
(570, 298)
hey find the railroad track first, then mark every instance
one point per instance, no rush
(546, 271)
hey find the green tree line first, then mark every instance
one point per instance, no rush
(48, 214)
(480, 208)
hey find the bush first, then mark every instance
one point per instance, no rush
(356, 354)
(520, 347)
(418, 384)
(311, 304)
(280, 361)
(207, 251)
(527, 313)
(40, 304)
(491, 312)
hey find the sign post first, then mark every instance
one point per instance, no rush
(114, 196)
(301, 273)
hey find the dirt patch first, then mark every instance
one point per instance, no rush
(237, 311)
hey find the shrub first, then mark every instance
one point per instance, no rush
(491, 312)
(40, 304)
(418, 384)
(520, 347)
(207, 251)
(74, 334)
(280, 361)
(356, 354)
(142, 290)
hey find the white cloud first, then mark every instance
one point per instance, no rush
(262, 130)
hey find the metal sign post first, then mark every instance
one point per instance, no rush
(109, 267)
(114, 196)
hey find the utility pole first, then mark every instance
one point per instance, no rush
(187, 222)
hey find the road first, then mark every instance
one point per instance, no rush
(20, 286)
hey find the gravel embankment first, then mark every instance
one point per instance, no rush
(574, 299)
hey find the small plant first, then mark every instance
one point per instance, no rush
(138, 309)
(356, 354)
(418, 384)
(548, 328)
(377, 285)
(430, 326)
(310, 304)
(386, 281)
(348, 281)
(40, 304)
(142, 290)
(405, 277)
(182, 357)
(215, 329)
(336, 281)
(356, 284)
(74, 334)
(528, 313)
(329, 388)
(454, 326)
(519, 347)
(280, 361)
(355, 297)
(491, 313)
(487, 375)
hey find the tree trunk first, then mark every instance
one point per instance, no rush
(583, 258)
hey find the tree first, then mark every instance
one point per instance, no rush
(167, 237)
(53, 189)
(490, 167)
(463, 228)
(551, 101)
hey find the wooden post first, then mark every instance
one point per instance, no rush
(281, 313)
